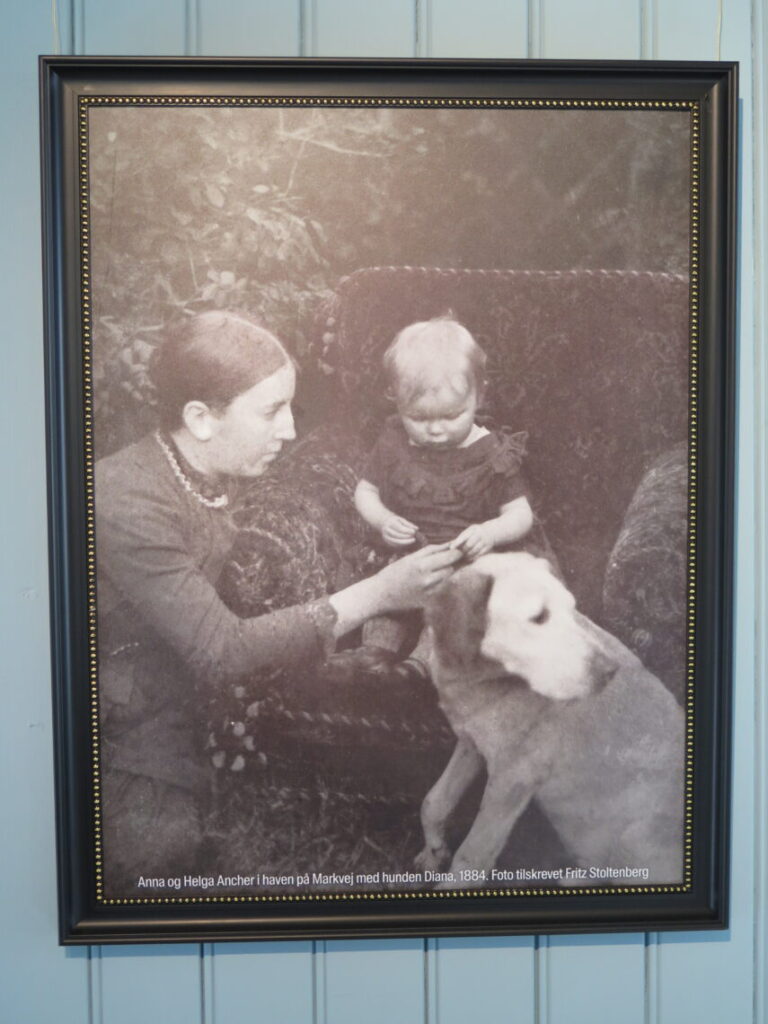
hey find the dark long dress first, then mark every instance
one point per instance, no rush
(165, 640)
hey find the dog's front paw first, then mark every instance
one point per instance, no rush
(432, 858)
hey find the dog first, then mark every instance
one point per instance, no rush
(556, 709)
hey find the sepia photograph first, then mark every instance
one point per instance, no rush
(398, 567)
(368, 383)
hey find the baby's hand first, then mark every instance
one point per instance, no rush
(476, 540)
(398, 532)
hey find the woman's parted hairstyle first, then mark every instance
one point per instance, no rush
(212, 357)
(440, 350)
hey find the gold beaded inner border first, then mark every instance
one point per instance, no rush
(693, 109)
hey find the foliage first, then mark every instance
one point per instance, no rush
(264, 209)
(287, 830)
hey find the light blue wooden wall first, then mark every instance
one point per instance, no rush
(669, 979)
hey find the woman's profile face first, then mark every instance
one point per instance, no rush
(250, 432)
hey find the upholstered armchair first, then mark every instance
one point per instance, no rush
(592, 365)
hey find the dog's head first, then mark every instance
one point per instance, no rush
(509, 610)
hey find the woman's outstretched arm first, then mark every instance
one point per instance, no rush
(144, 555)
(397, 587)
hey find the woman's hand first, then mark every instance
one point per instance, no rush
(407, 582)
(397, 587)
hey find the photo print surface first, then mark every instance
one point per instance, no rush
(535, 265)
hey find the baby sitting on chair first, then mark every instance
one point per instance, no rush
(436, 476)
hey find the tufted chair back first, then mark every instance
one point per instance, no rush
(592, 364)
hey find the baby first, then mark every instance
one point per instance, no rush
(435, 476)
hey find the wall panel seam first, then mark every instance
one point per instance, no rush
(422, 25)
(648, 29)
(55, 27)
(207, 983)
(541, 1000)
(78, 26)
(192, 27)
(759, 31)
(651, 952)
(307, 28)
(95, 986)
(319, 983)
(535, 47)
(431, 981)
(63, 25)
(651, 993)
(654, 29)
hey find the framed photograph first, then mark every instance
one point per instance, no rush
(390, 433)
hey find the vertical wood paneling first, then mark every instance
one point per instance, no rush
(490, 28)
(590, 29)
(760, 185)
(375, 982)
(139, 27)
(62, 27)
(699, 981)
(243, 981)
(161, 985)
(34, 971)
(499, 971)
(347, 28)
(535, 29)
(157, 985)
(702, 978)
(690, 31)
(648, 29)
(255, 28)
(587, 978)
(707, 979)
(652, 975)
(269, 982)
(378, 982)
(592, 976)
(495, 973)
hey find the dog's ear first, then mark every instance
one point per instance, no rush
(457, 614)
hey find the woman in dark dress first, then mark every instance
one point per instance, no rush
(164, 529)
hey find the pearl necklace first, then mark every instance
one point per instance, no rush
(219, 502)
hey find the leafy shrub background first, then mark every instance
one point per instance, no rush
(263, 210)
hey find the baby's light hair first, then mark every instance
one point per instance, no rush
(430, 354)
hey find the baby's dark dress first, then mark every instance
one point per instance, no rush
(444, 490)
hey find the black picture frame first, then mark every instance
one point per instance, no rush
(73, 87)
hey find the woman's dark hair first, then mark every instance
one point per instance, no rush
(212, 357)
